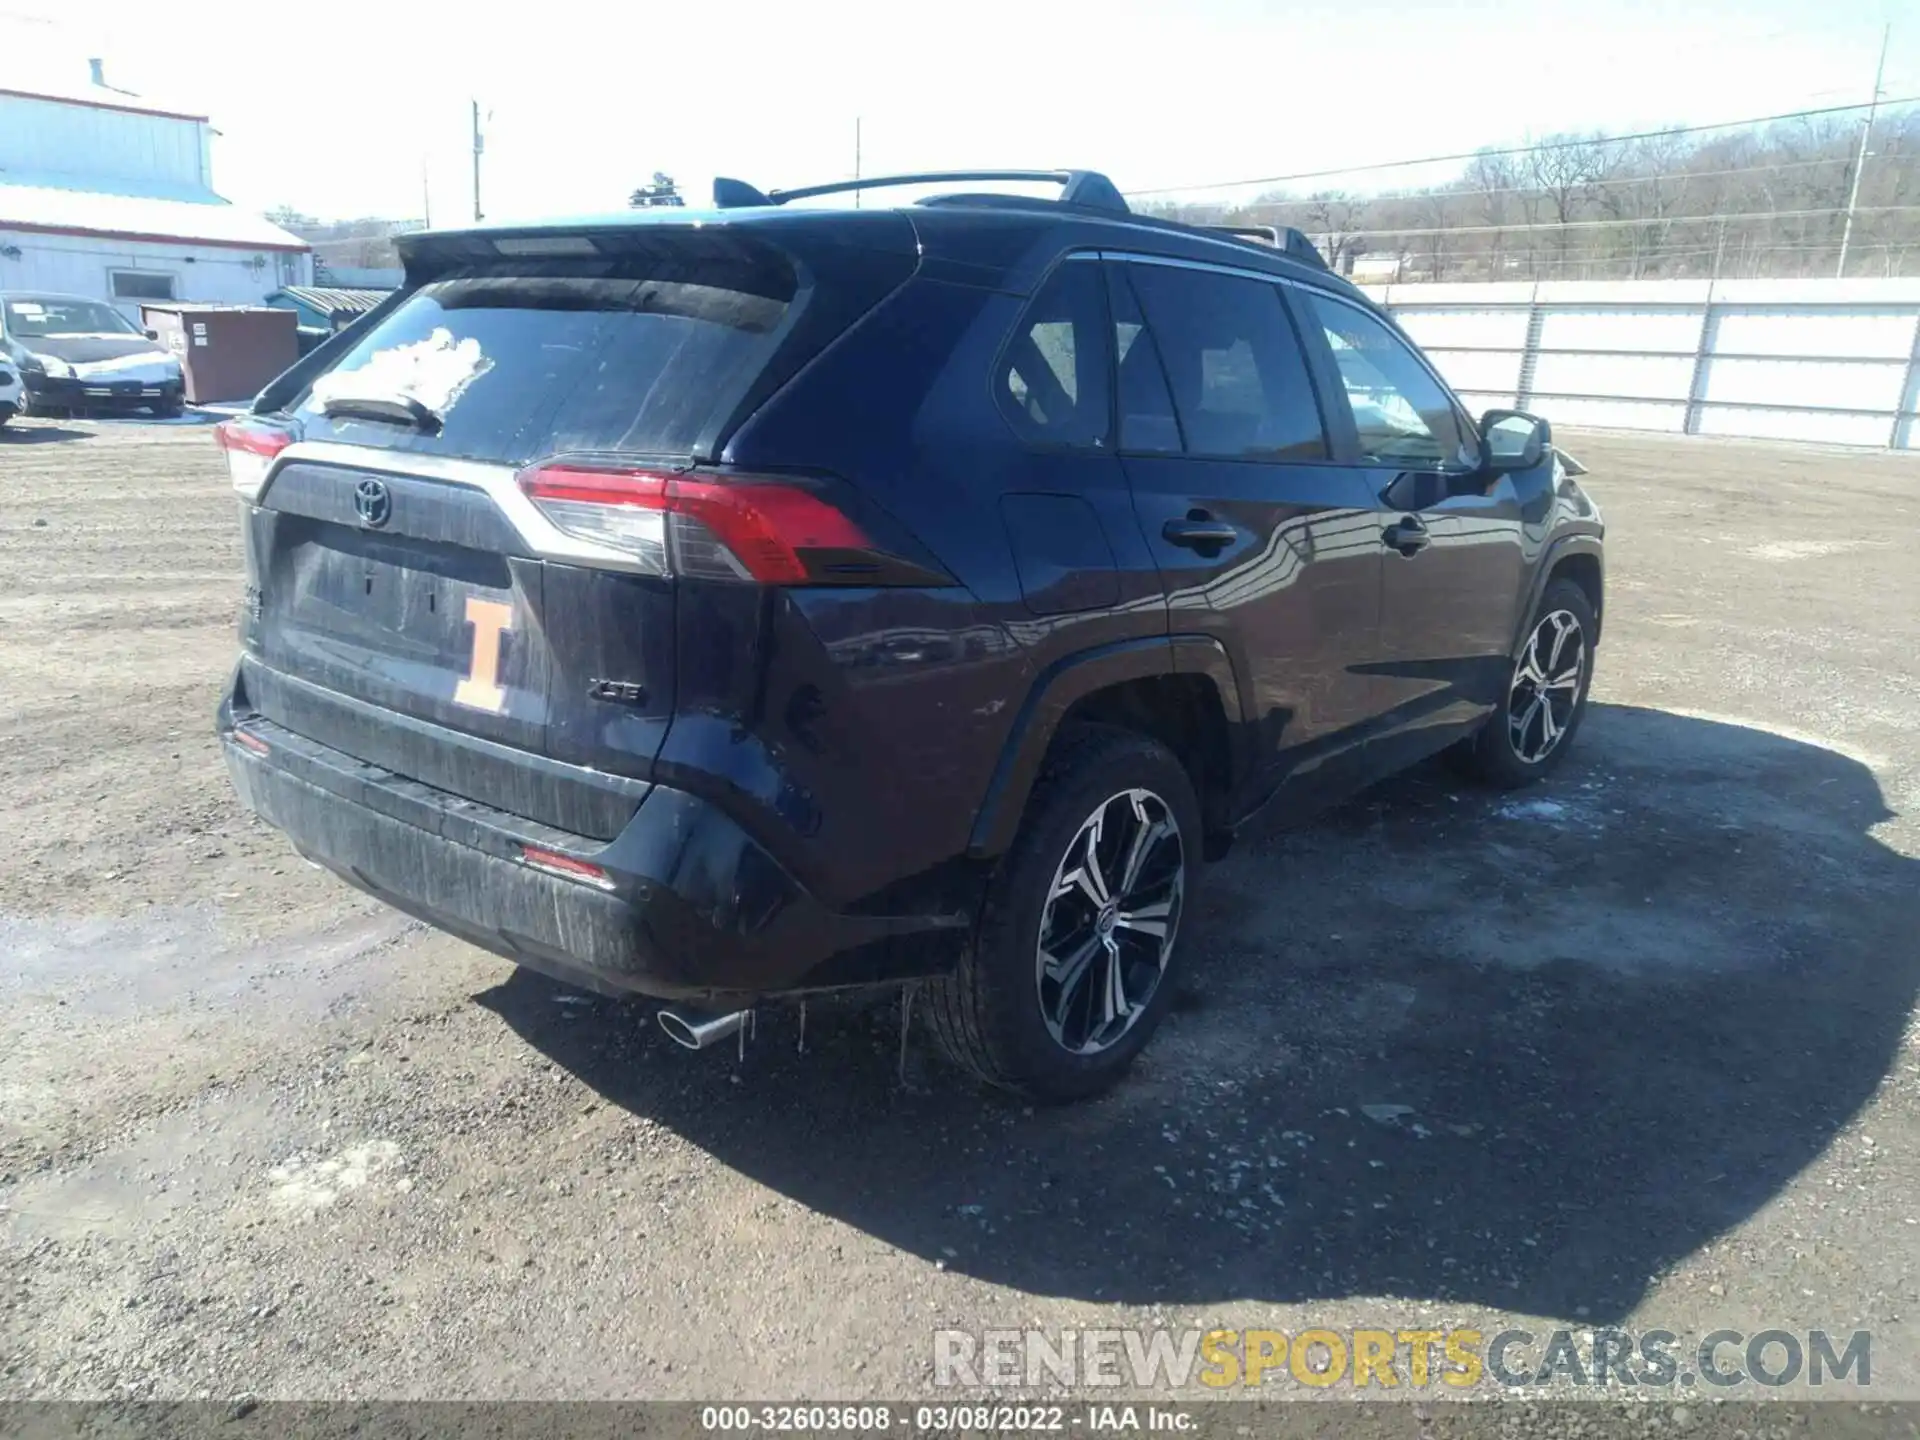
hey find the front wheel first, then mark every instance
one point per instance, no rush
(1546, 694)
(1074, 961)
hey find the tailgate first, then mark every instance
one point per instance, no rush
(438, 613)
(393, 559)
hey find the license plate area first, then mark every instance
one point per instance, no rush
(438, 631)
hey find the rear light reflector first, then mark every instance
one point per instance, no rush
(554, 863)
(252, 742)
(250, 449)
(741, 528)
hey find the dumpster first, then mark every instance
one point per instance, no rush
(226, 352)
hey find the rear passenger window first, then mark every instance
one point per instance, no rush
(1052, 380)
(1233, 363)
(1147, 423)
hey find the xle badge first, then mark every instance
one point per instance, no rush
(481, 687)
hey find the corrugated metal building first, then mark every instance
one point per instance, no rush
(324, 308)
(104, 195)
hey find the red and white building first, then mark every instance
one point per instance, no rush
(102, 194)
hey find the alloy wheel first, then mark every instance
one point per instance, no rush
(1109, 924)
(1546, 686)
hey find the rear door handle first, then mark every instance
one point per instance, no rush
(1408, 535)
(1200, 532)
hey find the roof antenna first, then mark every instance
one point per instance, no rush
(98, 69)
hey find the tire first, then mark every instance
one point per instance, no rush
(6, 414)
(1508, 754)
(171, 410)
(998, 1014)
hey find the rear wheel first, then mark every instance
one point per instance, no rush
(1072, 966)
(1546, 694)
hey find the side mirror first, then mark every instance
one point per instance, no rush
(1514, 440)
(153, 334)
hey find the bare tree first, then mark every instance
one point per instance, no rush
(1758, 201)
(1333, 217)
(1563, 169)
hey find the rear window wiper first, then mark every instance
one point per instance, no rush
(394, 409)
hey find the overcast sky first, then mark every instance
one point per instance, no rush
(339, 110)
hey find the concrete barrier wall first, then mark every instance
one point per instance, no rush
(1826, 360)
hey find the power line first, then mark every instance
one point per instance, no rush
(1519, 149)
(1556, 225)
(1675, 175)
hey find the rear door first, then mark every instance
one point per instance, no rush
(1453, 544)
(1261, 539)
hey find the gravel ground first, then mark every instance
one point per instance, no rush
(1633, 1049)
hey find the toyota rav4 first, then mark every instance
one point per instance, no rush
(729, 605)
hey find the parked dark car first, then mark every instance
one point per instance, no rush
(74, 354)
(721, 606)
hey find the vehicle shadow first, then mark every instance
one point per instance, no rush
(1524, 1051)
(20, 432)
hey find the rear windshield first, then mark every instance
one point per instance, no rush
(510, 366)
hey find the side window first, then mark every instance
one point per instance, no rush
(1052, 380)
(1403, 415)
(1147, 423)
(1239, 381)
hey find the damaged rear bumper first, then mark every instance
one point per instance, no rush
(690, 907)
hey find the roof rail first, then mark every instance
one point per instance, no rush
(1078, 187)
(1269, 233)
(1281, 237)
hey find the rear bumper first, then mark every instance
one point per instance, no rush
(693, 908)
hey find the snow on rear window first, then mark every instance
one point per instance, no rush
(518, 367)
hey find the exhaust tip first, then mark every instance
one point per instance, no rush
(678, 1030)
(696, 1030)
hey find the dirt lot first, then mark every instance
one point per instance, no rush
(1651, 1027)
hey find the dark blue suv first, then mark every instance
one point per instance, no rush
(725, 605)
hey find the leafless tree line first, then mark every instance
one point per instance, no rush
(366, 242)
(1768, 201)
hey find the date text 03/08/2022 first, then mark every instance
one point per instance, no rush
(945, 1419)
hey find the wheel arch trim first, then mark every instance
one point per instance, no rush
(1074, 677)
(1579, 543)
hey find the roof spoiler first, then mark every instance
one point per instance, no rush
(1077, 187)
(1280, 237)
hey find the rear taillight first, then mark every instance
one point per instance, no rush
(250, 449)
(744, 528)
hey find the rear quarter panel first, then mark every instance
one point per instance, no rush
(910, 696)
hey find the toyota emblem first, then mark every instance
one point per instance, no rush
(373, 503)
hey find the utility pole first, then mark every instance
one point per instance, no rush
(478, 145)
(1860, 160)
(856, 159)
